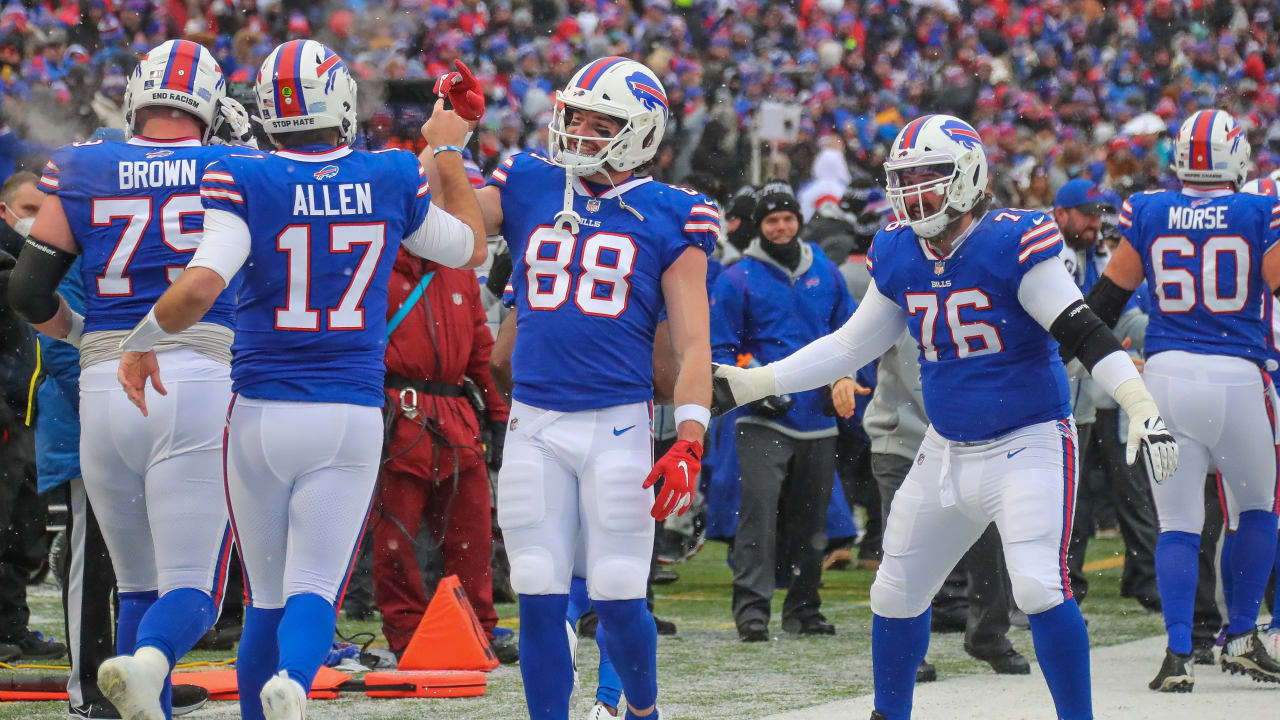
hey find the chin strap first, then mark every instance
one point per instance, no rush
(568, 217)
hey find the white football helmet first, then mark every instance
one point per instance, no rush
(1261, 186)
(303, 85)
(937, 155)
(1211, 147)
(621, 88)
(179, 74)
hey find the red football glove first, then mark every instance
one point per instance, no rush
(463, 91)
(680, 468)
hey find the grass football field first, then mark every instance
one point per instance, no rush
(705, 672)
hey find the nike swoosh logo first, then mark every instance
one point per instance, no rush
(616, 431)
(1015, 452)
(685, 467)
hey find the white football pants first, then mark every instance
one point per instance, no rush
(1218, 408)
(1024, 481)
(156, 482)
(300, 477)
(571, 477)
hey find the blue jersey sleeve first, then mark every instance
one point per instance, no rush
(1130, 222)
(220, 190)
(880, 257)
(701, 227)
(1272, 235)
(51, 177)
(1039, 240)
(410, 172)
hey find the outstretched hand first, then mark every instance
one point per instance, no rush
(135, 369)
(463, 91)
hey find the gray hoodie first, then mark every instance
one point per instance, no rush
(895, 419)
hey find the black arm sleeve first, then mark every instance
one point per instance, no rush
(33, 286)
(1108, 299)
(1082, 334)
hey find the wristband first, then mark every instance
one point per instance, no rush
(697, 413)
(77, 330)
(444, 148)
(145, 335)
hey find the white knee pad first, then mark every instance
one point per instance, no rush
(889, 599)
(533, 573)
(1032, 594)
(617, 578)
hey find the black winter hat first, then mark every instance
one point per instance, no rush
(774, 196)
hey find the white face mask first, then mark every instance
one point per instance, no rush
(23, 227)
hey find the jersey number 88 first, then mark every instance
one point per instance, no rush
(602, 287)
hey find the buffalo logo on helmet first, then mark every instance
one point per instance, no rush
(326, 172)
(646, 91)
(960, 131)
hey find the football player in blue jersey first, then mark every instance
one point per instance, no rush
(313, 230)
(1268, 187)
(1207, 255)
(133, 211)
(985, 294)
(598, 252)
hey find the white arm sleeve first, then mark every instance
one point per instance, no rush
(225, 245)
(443, 238)
(1046, 290)
(874, 327)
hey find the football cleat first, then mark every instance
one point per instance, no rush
(1247, 654)
(283, 699)
(1272, 643)
(600, 711)
(128, 686)
(1176, 674)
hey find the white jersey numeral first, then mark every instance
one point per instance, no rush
(179, 240)
(295, 240)
(963, 334)
(113, 282)
(1182, 281)
(603, 286)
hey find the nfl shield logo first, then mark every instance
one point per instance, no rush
(938, 268)
(593, 205)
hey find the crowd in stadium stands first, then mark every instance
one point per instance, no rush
(1058, 89)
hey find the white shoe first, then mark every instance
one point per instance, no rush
(133, 692)
(600, 712)
(283, 699)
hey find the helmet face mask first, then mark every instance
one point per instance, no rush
(936, 172)
(622, 89)
(585, 154)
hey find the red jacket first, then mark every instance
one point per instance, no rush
(461, 347)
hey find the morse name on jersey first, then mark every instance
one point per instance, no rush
(352, 199)
(1201, 218)
(156, 173)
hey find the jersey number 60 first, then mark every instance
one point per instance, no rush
(602, 287)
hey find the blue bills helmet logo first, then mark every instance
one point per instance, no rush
(962, 133)
(326, 172)
(646, 91)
